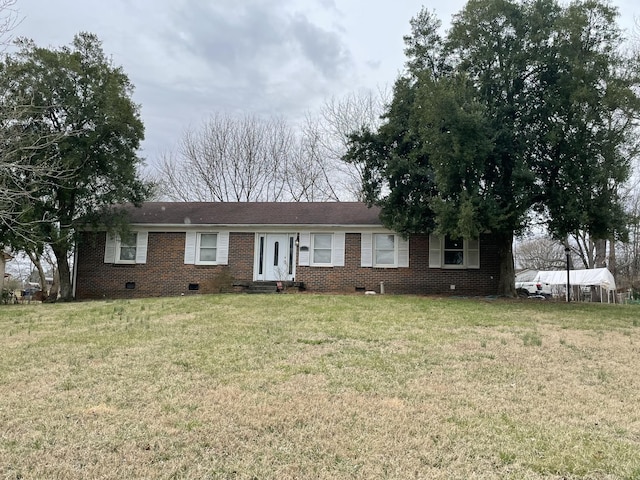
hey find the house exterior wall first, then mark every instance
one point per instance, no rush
(166, 274)
(417, 279)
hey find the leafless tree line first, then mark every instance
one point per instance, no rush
(251, 158)
(622, 258)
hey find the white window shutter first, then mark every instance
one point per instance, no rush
(403, 252)
(190, 248)
(304, 255)
(338, 249)
(366, 250)
(473, 253)
(141, 247)
(222, 255)
(435, 251)
(110, 248)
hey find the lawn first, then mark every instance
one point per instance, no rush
(322, 387)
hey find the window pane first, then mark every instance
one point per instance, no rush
(384, 242)
(385, 257)
(130, 240)
(322, 241)
(453, 243)
(276, 248)
(209, 240)
(127, 253)
(322, 256)
(384, 249)
(453, 258)
(208, 254)
(322, 248)
(261, 255)
(208, 244)
(128, 247)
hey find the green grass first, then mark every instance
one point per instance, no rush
(306, 386)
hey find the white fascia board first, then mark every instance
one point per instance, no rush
(254, 228)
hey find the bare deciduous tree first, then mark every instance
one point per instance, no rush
(540, 253)
(305, 175)
(9, 19)
(254, 159)
(21, 178)
(229, 159)
(338, 119)
(627, 266)
(591, 253)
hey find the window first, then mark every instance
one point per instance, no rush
(129, 249)
(449, 252)
(322, 248)
(384, 250)
(208, 247)
(126, 248)
(384, 254)
(453, 251)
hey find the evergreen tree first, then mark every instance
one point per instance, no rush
(523, 106)
(81, 103)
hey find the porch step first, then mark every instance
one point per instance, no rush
(269, 286)
(262, 287)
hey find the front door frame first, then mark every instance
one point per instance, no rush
(263, 270)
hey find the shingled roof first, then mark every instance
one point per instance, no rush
(255, 213)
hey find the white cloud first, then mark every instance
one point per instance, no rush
(191, 58)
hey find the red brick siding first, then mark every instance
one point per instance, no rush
(165, 273)
(418, 279)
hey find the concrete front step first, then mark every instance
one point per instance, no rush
(263, 287)
(269, 286)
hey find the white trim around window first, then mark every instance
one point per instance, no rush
(206, 248)
(322, 249)
(384, 250)
(451, 253)
(131, 251)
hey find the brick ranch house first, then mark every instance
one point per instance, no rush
(190, 248)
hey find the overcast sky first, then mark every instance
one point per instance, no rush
(189, 59)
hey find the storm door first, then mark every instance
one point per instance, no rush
(275, 257)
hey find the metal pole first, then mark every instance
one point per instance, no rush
(567, 251)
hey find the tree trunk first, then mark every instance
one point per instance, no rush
(55, 285)
(613, 263)
(601, 254)
(506, 281)
(2, 268)
(64, 272)
(35, 259)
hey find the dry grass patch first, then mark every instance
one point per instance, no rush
(304, 386)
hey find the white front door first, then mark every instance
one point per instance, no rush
(275, 257)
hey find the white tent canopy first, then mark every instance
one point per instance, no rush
(600, 277)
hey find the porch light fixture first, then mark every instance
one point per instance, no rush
(297, 240)
(567, 251)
